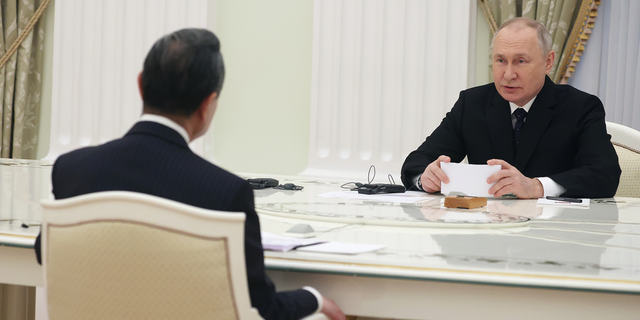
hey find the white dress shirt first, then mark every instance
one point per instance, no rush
(167, 123)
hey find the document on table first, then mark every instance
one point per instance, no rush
(406, 197)
(342, 248)
(283, 244)
(469, 179)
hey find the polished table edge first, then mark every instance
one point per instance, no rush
(17, 241)
(25, 162)
(456, 275)
(392, 223)
(379, 297)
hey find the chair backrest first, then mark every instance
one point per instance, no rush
(125, 255)
(626, 141)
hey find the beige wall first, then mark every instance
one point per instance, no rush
(262, 122)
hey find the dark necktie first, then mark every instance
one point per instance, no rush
(520, 114)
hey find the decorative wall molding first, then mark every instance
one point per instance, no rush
(385, 72)
(99, 48)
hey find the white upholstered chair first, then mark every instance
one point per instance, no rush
(124, 255)
(626, 141)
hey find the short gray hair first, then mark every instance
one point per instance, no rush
(544, 37)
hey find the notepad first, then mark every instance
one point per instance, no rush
(283, 244)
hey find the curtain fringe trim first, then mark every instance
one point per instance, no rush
(579, 37)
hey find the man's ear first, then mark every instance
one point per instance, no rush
(140, 85)
(205, 105)
(549, 63)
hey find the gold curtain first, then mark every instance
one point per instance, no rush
(17, 302)
(20, 87)
(20, 79)
(569, 22)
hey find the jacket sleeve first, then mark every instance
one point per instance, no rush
(270, 304)
(596, 171)
(446, 139)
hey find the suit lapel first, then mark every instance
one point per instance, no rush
(536, 123)
(499, 121)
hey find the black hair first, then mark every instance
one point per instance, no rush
(181, 70)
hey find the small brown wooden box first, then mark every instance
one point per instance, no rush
(465, 202)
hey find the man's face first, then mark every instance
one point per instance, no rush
(519, 67)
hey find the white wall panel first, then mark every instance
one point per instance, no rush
(99, 49)
(385, 72)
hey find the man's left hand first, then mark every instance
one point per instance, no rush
(510, 180)
(331, 310)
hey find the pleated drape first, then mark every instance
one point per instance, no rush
(20, 85)
(385, 72)
(20, 80)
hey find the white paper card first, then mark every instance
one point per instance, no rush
(470, 179)
(342, 248)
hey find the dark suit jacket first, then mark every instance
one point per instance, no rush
(154, 159)
(564, 138)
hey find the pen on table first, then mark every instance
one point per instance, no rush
(24, 225)
(564, 199)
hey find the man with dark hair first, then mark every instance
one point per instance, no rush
(180, 85)
(549, 139)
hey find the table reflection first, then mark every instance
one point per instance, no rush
(23, 184)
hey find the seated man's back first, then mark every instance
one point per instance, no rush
(154, 159)
(180, 84)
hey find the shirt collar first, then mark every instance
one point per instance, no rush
(167, 123)
(526, 107)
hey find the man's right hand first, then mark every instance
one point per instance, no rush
(331, 310)
(433, 175)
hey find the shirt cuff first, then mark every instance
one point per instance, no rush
(317, 295)
(416, 182)
(550, 187)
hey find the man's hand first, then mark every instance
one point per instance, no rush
(433, 175)
(510, 180)
(331, 310)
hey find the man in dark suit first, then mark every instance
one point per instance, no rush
(549, 139)
(180, 85)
